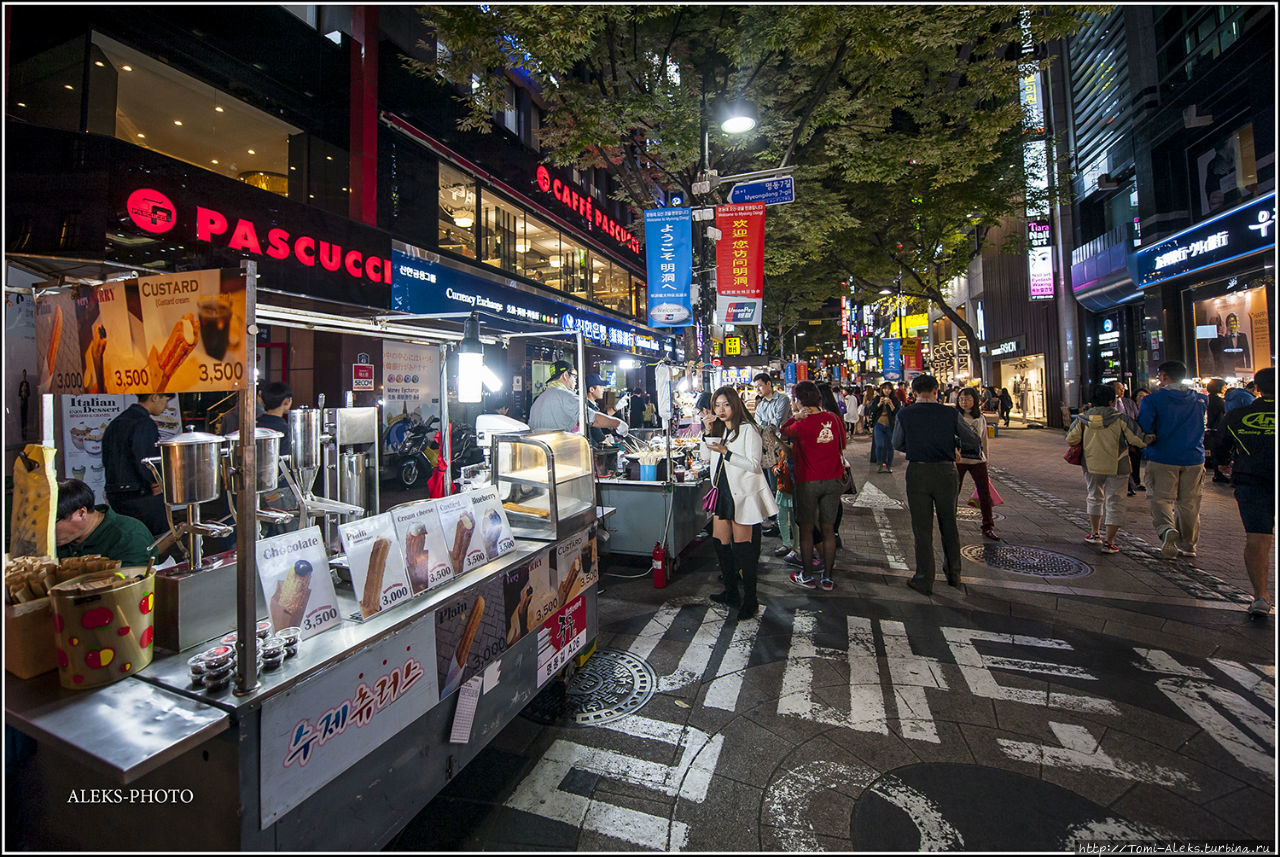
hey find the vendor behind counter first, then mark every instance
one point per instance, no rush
(83, 528)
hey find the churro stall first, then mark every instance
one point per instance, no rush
(311, 689)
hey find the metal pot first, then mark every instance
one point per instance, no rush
(304, 438)
(189, 468)
(352, 467)
(267, 461)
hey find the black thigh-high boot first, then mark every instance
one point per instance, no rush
(747, 555)
(728, 574)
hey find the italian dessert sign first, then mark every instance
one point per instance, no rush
(168, 333)
(294, 571)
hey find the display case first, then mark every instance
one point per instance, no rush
(545, 482)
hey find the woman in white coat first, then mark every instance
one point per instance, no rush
(733, 447)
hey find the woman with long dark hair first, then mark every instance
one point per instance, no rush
(817, 438)
(971, 414)
(882, 413)
(733, 447)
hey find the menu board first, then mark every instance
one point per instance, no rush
(294, 571)
(458, 524)
(495, 531)
(576, 566)
(376, 562)
(167, 333)
(425, 555)
(85, 419)
(561, 637)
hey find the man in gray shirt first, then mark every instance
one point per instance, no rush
(773, 408)
(558, 407)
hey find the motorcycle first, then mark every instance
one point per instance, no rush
(413, 458)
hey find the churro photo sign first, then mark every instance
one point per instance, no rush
(491, 518)
(471, 633)
(377, 564)
(294, 571)
(425, 556)
(458, 523)
(576, 566)
(194, 327)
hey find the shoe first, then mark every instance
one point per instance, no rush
(1218, 477)
(1109, 547)
(793, 558)
(1132, 492)
(771, 531)
(954, 580)
(827, 584)
(1093, 539)
(912, 583)
(1188, 554)
(990, 533)
(799, 579)
(1139, 488)
(1170, 547)
(783, 550)
(728, 598)
(881, 470)
(888, 470)
(1259, 608)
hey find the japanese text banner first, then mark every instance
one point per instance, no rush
(668, 241)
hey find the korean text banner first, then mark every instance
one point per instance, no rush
(668, 240)
(740, 250)
(892, 359)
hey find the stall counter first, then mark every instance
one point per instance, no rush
(641, 518)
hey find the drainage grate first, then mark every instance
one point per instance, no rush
(1024, 560)
(612, 684)
(969, 513)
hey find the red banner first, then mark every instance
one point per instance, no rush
(912, 354)
(740, 250)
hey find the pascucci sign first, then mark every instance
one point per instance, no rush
(582, 204)
(152, 211)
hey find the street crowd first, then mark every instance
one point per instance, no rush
(780, 472)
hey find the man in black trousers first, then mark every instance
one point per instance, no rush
(932, 436)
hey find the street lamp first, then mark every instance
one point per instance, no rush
(795, 344)
(738, 117)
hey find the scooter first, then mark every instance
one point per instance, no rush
(414, 458)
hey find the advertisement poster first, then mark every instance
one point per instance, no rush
(471, 633)
(912, 354)
(740, 263)
(541, 375)
(21, 370)
(176, 332)
(668, 241)
(376, 562)
(458, 524)
(85, 420)
(1233, 337)
(892, 350)
(561, 637)
(294, 571)
(410, 386)
(576, 566)
(425, 556)
(495, 531)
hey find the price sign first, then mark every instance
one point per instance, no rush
(733, 345)
(294, 571)
(376, 558)
(560, 638)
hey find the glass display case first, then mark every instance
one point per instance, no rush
(545, 482)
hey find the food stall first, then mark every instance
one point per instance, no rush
(311, 690)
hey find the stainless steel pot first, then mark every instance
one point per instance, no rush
(352, 468)
(267, 462)
(304, 438)
(190, 468)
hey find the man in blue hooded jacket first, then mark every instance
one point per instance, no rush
(1175, 459)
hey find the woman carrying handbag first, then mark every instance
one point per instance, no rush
(1105, 435)
(971, 413)
(741, 498)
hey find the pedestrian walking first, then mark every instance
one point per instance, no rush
(883, 415)
(131, 489)
(852, 410)
(933, 437)
(976, 464)
(1247, 441)
(1006, 405)
(1105, 435)
(1135, 452)
(1217, 409)
(1175, 459)
(743, 498)
(817, 441)
(772, 410)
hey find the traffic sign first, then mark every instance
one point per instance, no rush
(733, 345)
(769, 191)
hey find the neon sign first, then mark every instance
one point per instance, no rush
(581, 204)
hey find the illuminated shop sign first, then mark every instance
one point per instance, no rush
(1243, 230)
(153, 212)
(1040, 260)
(424, 287)
(582, 205)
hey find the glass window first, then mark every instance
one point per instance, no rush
(457, 212)
(540, 245)
(575, 275)
(639, 299)
(503, 232)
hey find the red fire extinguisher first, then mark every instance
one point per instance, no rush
(659, 565)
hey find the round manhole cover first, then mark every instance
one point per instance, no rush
(1024, 560)
(612, 684)
(969, 513)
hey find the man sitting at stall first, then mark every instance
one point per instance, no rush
(556, 408)
(84, 529)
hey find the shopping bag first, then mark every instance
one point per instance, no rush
(996, 499)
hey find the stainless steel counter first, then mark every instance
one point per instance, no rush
(641, 517)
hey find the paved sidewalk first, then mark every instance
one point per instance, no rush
(1023, 711)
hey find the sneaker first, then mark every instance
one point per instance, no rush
(793, 558)
(1259, 608)
(1109, 547)
(1093, 539)
(1188, 554)
(1139, 488)
(1132, 492)
(782, 550)
(1170, 547)
(881, 470)
(828, 584)
(771, 531)
(799, 579)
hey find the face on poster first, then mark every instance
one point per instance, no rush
(1232, 334)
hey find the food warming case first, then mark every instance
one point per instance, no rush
(545, 482)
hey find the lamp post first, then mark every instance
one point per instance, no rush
(795, 343)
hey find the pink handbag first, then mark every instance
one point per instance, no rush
(996, 499)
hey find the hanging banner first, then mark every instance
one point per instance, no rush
(790, 375)
(912, 354)
(176, 332)
(740, 263)
(892, 351)
(668, 242)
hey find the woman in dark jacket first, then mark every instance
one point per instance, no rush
(1217, 407)
(882, 413)
(1006, 405)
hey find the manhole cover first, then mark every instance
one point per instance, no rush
(969, 513)
(1023, 560)
(612, 684)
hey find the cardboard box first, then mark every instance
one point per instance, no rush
(28, 638)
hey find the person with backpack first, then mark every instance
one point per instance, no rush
(1105, 435)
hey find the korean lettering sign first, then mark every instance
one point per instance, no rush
(1243, 230)
(668, 237)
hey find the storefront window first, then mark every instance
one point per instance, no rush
(639, 299)
(457, 212)
(541, 246)
(572, 272)
(503, 233)
(1232, 334)
(609, 285)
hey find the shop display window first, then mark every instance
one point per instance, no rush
(540, 247)
(1232, 334)
(503, 234)
(457, 231)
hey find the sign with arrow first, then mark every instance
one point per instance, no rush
(871, 497)
(774, 191)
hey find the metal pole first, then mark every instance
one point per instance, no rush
(246, 553)
(582, 383)
(446, 436)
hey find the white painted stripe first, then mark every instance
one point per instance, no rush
(788, 800)
(725, 687)
(892, 552)
(1080, 751)
(1248, 679)
(1111, 830)
(911, 674)
(866, 698)
(1197, 698)
(649, 831)
(693, 663)
(655, 630)
(1265, 669)
(865, 695)
(1159, 661)
(1020, 665)
(936, 833)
